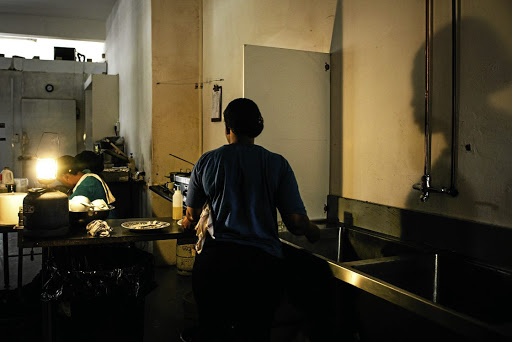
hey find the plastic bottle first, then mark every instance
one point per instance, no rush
(131, 165)
(177, 205)
(20, 217)
(7, 176)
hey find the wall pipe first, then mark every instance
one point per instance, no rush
(425, 186)
(455, 95)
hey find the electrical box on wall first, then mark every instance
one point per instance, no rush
(65, 54)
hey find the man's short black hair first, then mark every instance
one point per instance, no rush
(243, 117)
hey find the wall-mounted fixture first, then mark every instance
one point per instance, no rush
(425, 185)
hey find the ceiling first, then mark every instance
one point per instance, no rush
(82, 9)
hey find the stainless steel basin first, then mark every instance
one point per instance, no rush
(343, 244)
(460, 294)
(327, 246)
(467, 287)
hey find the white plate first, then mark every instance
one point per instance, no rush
(144, 225)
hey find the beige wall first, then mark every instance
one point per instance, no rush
(382, 107)
(155, 47)
(378, 129)
(229, 24)
(176, 56)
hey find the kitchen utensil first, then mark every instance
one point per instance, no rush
(79, 203)
(79, 219)
(99, 204)
(117, 149)
(45, 213)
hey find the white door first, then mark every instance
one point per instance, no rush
(57, 118)
(292, 90)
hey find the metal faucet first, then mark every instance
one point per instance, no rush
(425, 188)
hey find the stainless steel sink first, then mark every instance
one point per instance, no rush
(327, 246)
(460, 294)
(343, 244)
(467, 287)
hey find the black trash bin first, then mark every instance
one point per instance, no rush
(99, 292)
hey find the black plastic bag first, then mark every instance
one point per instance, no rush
(86, 272)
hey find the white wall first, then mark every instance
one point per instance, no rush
(128, 54)
(287, 85)
(229, 24)
(382, 107)
(27, 79)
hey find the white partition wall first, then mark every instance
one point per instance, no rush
(291, 88)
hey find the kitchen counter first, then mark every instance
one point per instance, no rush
(79, 236)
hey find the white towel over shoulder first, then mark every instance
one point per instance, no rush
(204, 225)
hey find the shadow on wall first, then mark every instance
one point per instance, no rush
(483, 167)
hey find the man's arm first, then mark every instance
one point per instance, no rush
(191, 217)
(299, 224)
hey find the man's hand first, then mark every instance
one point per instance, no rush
(191, 217)
(299, 224)
(313, 233)
(187, 224)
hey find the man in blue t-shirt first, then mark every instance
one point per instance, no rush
(236, 275)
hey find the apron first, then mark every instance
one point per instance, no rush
(110, 197)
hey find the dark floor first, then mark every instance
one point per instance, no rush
(169, 309)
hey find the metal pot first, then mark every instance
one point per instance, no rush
(79, 219)
(45, 213)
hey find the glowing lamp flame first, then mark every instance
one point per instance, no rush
(46, 170)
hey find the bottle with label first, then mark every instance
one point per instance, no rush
(177, 205)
